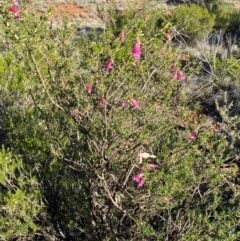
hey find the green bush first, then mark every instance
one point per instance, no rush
(116, 153)
(226, 17)
(193, 21)
(222, 14)
(234, 21)
(20, 199)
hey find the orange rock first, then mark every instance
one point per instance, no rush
(70, 10)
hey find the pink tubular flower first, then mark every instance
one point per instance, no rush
(7, 44)
(108, 65)
(136, 52)
(152, 166)
(123, 103)
(174, 75)
(15, 2)
(96, 81)
(102, 101)
(158, 106)
(13, 9)
(122, 36)
(192, 136)
(167, 200)
(138, 177)
(178, 75)
(181, 75)
(16, 12)
(89, 88)
(140, 183)
(18, 15)
(135, 104)
(76, 116)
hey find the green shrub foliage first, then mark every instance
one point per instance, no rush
(105, 140)
(19, 198)
(226, 18)
(223, 14)
(193, 21)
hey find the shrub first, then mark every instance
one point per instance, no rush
(20, 199)
(115, 151)
(193, 21)
(222, 14)
(234, 22)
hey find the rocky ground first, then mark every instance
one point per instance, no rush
(85, 13)
(233, 3)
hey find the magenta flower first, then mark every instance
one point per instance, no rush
(152, 166)
(97, 81)
(158, 106)
(108, 65)
(192, 136)
(122, 36)
(138, 177)
(123, 103)
(89, 88)
(136, 52)
(13, 9)
(76, 116)
(135, 104)
(167, 200)
(7, 44)
(175, 75)
(102, 101)
(181, 75)
(18, 15)
(15, 2)
(16, 12)
(140, 183)
(178, 75)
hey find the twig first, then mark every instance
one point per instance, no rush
(2, 238)
(128, 175)
(107, 190)
(150, 76)
(43, 83)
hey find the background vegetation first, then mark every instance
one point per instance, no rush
(120, 137)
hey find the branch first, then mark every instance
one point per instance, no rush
(43, 83)
(108, 192)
